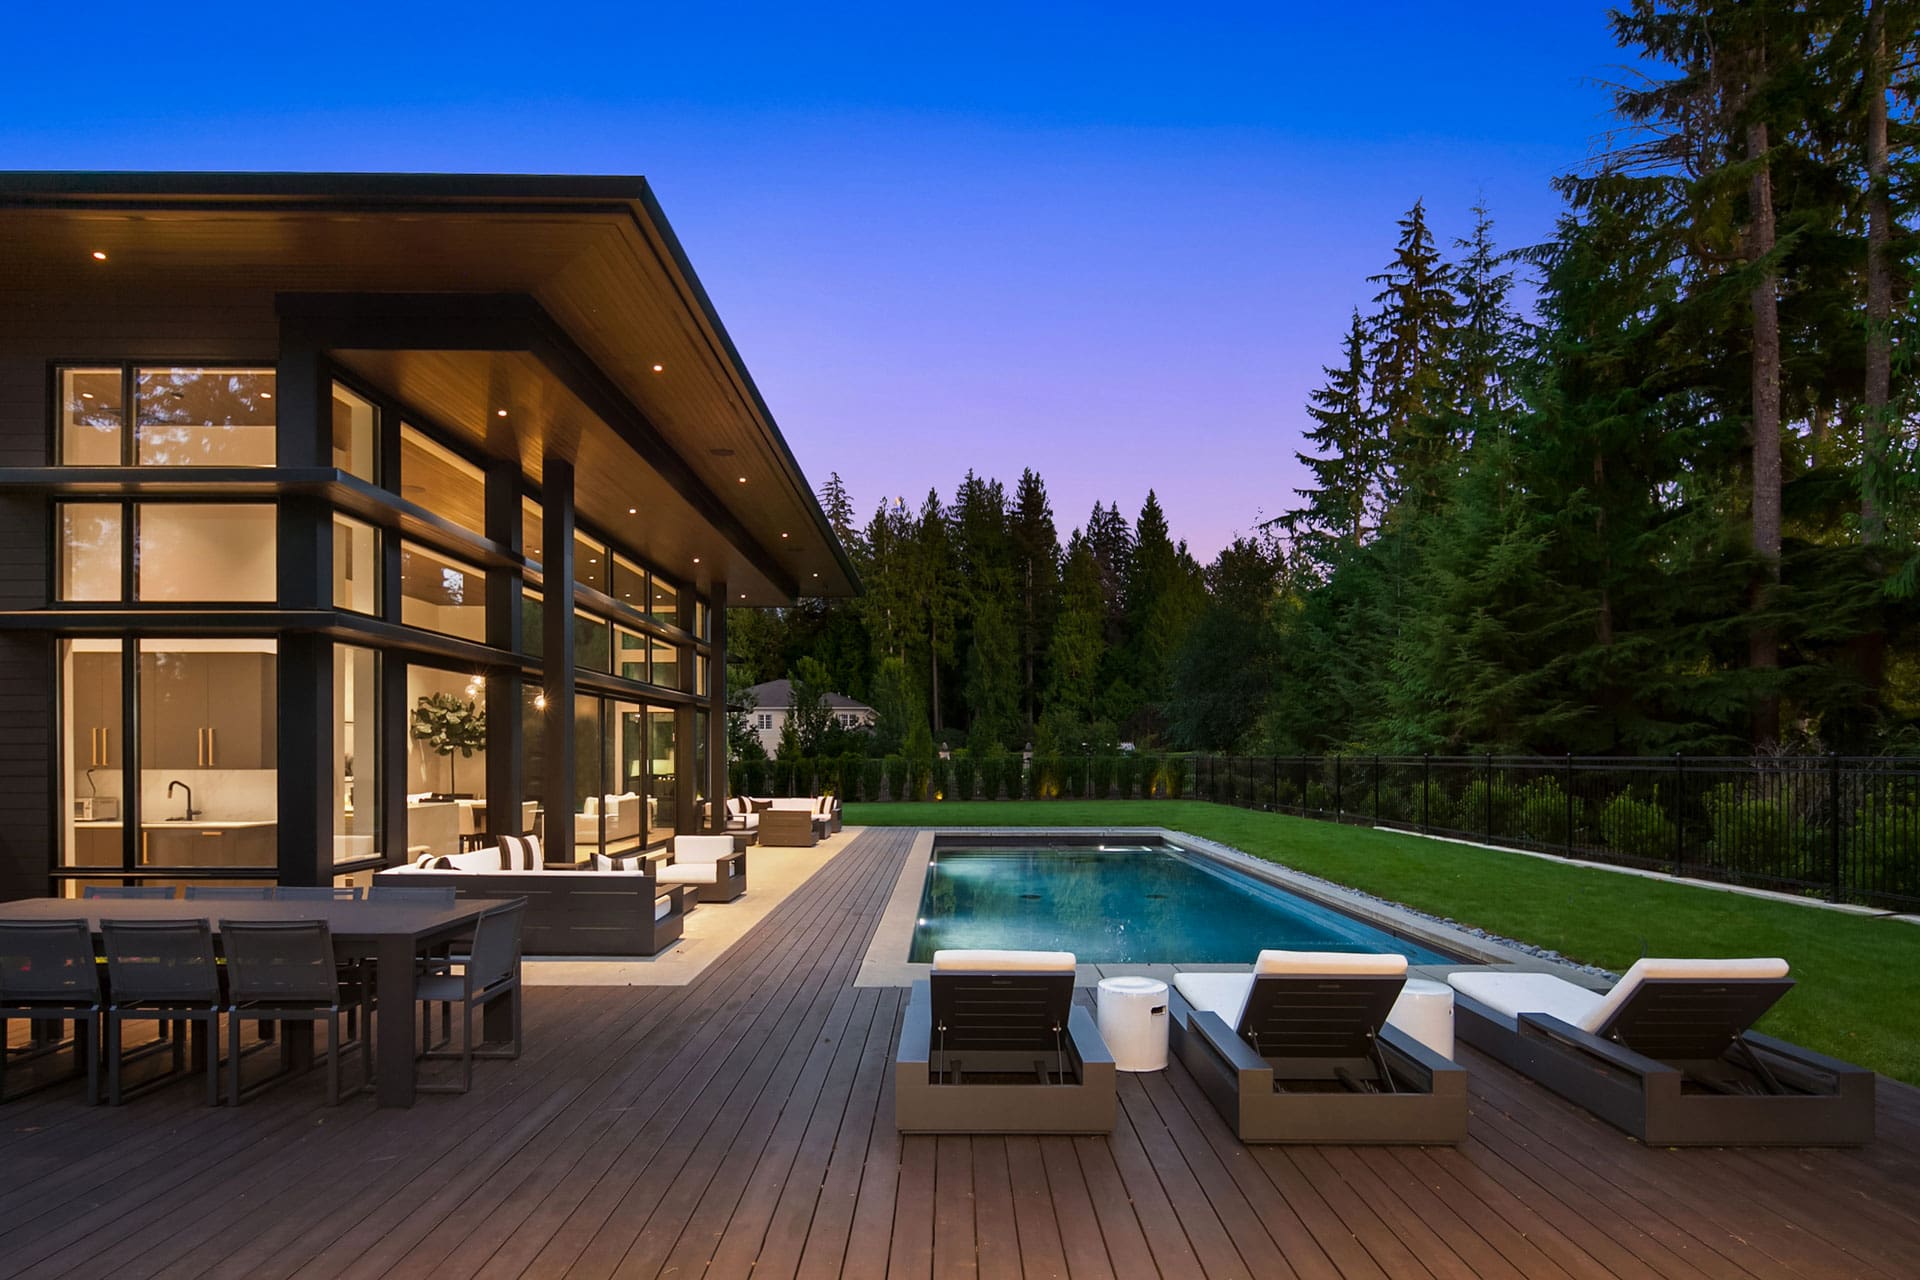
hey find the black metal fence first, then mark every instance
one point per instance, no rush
(1842, 828)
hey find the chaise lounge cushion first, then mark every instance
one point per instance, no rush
(981, 961)
(1226, 993)
(1513, 994)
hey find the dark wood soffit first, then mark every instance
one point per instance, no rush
(507, 322)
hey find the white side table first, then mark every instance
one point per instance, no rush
(1132, 1013)
(1425, 1012)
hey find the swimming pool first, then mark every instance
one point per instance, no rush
(1147, 903)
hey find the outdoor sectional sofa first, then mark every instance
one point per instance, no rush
(569, 912)
(1667, 1054)
(796, 821)
(1300, 1050)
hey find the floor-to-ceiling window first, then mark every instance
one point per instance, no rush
(356, 753)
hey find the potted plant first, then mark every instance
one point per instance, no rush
(448, 723)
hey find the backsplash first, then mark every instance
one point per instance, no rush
(219, 795)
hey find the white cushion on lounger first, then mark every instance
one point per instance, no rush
(1004, 961)
(1347, 964)
(1630, 981)
(689, 873)
(707, 849)
(1513, 994)
(1222, 993)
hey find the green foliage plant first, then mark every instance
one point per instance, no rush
(449, 724)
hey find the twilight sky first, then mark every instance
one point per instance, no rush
(1113, 242)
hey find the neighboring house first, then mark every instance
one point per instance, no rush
(771, 703)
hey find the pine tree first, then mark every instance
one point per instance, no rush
(1411, 335)
(1036, 569)
(1077, 649)
(1346, 463)
(837, 506)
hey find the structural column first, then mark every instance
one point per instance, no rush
(304, 578)
(717, 707)
(556, 559)
(506, 736)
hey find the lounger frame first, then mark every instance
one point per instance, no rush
(1320, 1026)
(1695, 1026)
(1006, 1029)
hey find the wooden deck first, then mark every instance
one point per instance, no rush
(742, 1125)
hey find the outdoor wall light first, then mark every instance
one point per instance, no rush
(99, 255)
(499, 413)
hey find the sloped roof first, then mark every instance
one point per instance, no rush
(777, 695)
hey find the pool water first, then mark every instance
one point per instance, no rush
(1126, 904)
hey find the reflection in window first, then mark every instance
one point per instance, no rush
(92, 417)
(700, 673)
(533, 625)
(440, 594)
(356, 753)
(533, 739)
(590, 649)
(589, 562)
(90, 559)
(666, 665)
(631, 655)
(435, 477)
(702, 626)
(661, 771)
(353, 433)
(587, 790)
(532, 526)
(629, 583)
(204, 417)
(91, 713)
(201, 551)
(664, 603)
(356, 560)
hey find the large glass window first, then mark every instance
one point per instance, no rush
(209, 748)
(666, 665)
(589, 562)
(92, 417)
(629, 583)
(533, 754)
(662, 777)
(356, 565)
(435, 477)
(438, 593)
(664, 603)
(355, 439)
(532, 530)
(204, 417)
(590, 647)
(356, 753)
(93, 803)
(588, 793)
(446, 759)
(90, 554)
(205, 551)
(630, 654)
(625, 807)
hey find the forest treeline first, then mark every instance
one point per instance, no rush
(1672, 503)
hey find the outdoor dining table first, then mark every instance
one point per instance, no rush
(392, 934)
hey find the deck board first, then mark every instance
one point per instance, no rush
(742, 1126)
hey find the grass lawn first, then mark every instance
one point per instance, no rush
(1854, 999)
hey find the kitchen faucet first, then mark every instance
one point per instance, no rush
(192, 812)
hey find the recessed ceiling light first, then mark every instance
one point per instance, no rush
(266, 395)
(499, 413)
(659, 368)
(633, 511)
(783, 535)
(816, 575)
(743, 479)
(696, 559)
(593, 560)
(743, 595)
(99, 255)
(86, 395)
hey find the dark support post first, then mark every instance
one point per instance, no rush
(1679, 812)
(1426, 785)
(686, 788)
(1336, 788)
(556, 532)
(1489, 821)
(1569, 791)
(1833, 822)
(1376, 788)
(1273, 796)
(394, 714)
(506, 748)
(717, 707)
(304, 777)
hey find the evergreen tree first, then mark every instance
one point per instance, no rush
(1347, 458)
(1036, 570)
(1411, 335)
(1077, 650)
(837, 505)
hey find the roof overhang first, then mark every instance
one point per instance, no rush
(567, 301)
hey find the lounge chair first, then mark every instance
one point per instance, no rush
(992, 1042)
(708, 867)
(1300, 1050)
(1667, 1054)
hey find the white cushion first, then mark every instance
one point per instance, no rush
(689, 873)
(662, 908)
(590, 807)
(1603, 1012)
(1513, 994)
(476, 859)
(802, 803)
(1222, 993)
(708, 849)
(1004, 961)
(1347, 964)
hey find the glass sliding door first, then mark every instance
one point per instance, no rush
(356, 753)
(208, 753)
(628, 807)
(662, 776)
(92, 717)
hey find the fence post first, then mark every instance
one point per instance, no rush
(1273, 796)
(1833, 821)
(1679, 813)
(1233, 792)
(1426, 785)
(1569, 790)
(1336, 788)
(1376, 788)
(1489, 822)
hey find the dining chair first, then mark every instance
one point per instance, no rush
(128, 892)
(229, 893)
(490, 971)
(163, 971)
(48, 972)
(285, 971)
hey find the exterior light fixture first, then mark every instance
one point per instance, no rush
(743, 479)
(266, 395)
(539, 702)
(696, 559)
(783, 535)
(86, 395)
(659, 368)
(633, 511)
(99, 255)
(499, 413)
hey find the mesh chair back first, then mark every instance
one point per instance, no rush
(48, 961)
(316, 893)
(161, 961)
(419, 895)
(142, 891)
(229, 893)
(279, 962)
(496, 944)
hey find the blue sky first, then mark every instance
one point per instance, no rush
(1114, 243)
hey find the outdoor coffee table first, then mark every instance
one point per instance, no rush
(392, 934)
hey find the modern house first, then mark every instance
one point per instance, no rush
(295, 469)
(769, 704)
